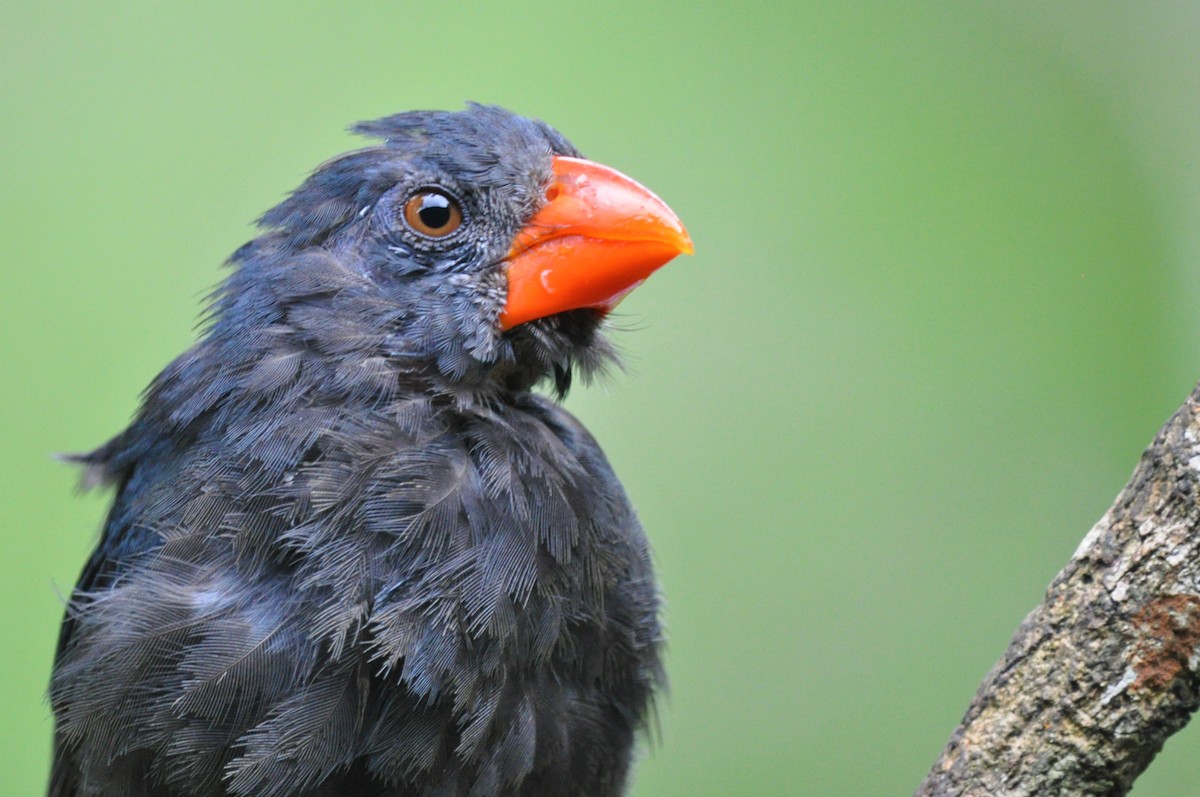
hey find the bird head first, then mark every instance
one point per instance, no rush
(474, 250)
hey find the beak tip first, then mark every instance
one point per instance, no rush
(683, 241)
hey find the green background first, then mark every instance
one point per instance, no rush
(944, 292)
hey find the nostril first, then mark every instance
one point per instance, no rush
(552, 192)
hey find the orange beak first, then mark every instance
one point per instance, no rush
(599, 235)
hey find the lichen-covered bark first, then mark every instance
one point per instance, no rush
(1106, 668)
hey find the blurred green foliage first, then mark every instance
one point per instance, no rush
(943, 295)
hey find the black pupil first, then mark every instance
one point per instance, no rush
(435, 211)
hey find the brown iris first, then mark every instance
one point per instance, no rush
(432, 213)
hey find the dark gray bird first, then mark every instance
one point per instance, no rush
(350, 552)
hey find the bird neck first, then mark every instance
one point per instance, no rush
(321, 321)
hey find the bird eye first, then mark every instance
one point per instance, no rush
(432, 213)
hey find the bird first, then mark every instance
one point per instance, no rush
(356, 545)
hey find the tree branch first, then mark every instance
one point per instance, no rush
(1106, 668)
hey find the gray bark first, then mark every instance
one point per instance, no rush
(1108, 666)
